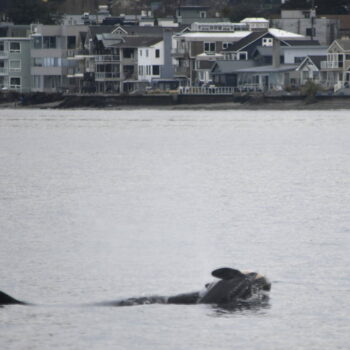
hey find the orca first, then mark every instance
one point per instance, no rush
(231, 287)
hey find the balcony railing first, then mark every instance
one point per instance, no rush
(331, 64)
(101, 76)
(178, 51)
(107, 58)
(224, 90)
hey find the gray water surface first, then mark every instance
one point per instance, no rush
(101, 205)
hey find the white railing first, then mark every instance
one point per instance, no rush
(106, 75)
(329, 64)
(228, 90)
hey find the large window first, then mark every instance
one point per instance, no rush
(49, 42)
(71, 42)
(38, 42)
(209, 47)
(15, 65)
(15, 83)
(15, 46)
(155, 70)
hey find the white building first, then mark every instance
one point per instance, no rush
(256, 23)
(150, 61)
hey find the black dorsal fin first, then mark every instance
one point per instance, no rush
(226, 273)
(6, 299)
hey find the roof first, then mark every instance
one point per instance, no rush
(205, 64)
(227, 67)
(344, 44)
(269, 69)
(139, 41)
(302, 42)
(316, 60)
(284, 35)
(234, 36)
(255, 19)
(245, 41)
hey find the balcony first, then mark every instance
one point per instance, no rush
(106, 76)
(179, 52)
(331, 65)
(107, 58)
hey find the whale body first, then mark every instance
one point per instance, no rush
(232, 286)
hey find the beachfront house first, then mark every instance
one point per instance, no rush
(337, 65)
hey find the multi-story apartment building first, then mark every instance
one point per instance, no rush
(306, 22)
(52, 45)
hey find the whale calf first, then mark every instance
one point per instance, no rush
(232, 286)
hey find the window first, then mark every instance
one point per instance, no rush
(15, 65)
(146, 52)
(71, 42)
(224, 45)
(38, 62)
(38, 42)
(49, 42)
(140, 53)
(203, 14)
(242, 56)
(2, 48)
(15, 83)
(15, 46)
(310, 31)
(155, 70)
(36, 81)
(298, 59)
(267, 42)
(209, 47)
(157, 53)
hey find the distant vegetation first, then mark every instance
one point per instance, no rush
(323, 7)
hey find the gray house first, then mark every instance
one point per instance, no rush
(15, 64)
(51, 48)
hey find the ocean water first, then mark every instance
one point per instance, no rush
(100, 205)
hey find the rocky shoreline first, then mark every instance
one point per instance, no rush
(178, 102)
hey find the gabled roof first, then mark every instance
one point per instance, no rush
(344, 44)
(139, 41)
(315, 60)
(227, 67)
(239, 45)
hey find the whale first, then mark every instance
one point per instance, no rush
(231, 286)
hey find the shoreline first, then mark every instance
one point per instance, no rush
(173, 102)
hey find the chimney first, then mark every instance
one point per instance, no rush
(276, 53)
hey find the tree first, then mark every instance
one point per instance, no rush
(323, 7)
(31, 11)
